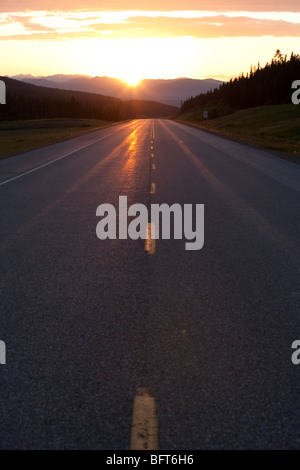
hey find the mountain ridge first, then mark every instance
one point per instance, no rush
(167, 91)
(29, 101)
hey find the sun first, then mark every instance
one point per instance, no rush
(132, 80)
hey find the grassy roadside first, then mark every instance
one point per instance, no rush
(275, 127)
(21, 136)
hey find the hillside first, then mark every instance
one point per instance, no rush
(171, 92)
(266, 85)
(27, 101)
(275, 127)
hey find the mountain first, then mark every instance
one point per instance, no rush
(23, 76)
(28, 101)
(171, 92)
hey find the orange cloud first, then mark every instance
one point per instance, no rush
(147, 27)
(154, 5)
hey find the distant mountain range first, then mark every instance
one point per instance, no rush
(171, 92)
(28, 101)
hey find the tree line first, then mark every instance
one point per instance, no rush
(25, 101)
(266, 85)
(20, 107)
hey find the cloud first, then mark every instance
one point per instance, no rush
(145, 5)
(35, 28)
(207, 27)
(29, 23)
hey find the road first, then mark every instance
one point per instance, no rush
(89, 323)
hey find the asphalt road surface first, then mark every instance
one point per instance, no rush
(89, 323)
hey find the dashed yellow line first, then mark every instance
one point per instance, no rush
(144, 429)
(150, 242)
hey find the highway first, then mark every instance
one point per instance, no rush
(89, 325)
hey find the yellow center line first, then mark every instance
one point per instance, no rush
(153, 188)
(150, 242)
(144, 429)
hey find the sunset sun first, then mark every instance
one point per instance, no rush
(132, 80)
(149, 237)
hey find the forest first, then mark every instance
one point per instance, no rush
(266, 85)
(25, 101)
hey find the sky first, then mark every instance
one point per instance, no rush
(133, 39)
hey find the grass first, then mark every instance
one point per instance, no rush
(275, 127)
(21, 136)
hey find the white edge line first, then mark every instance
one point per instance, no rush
(55, 160)
(266, 172)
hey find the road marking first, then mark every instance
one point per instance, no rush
(153, 166)
(152, 155)
(150, 242)
(56, 159)
(144, 429)
(266, 171)
(153, 188)
(152, 147)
